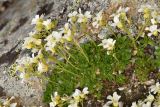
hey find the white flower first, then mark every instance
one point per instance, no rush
(153, 30)
(57, 35)
(37, 18)
(85, 90)
(121, 12)
(114, 99)
(13, 105)
(149, 10)
(51, 42)
(121, 88)
(22, 75)
(29, 42)
(47, 23)
(145, 7)
(149, 98)
(123, 9)
(84, 17)
(140, 104)
(116, 20)
(31, 34)
(67, 32)
(72, 16)
(155, 17)
(42, 67)
(97, 20)
(148, 104)
(108, 44)
(134, 104)
(52, 39)
(155, 88)
(52, 104)
(74, 104)
(153, 21)
(78, 95)
(55, 100)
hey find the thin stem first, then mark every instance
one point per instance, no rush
(60, 68)
(141, 31)
(68, 53)
(92, 40)
(131, 37)
(67, 60)
(81, 50)
(114, 55)
(111, 30)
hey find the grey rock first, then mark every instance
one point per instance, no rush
(15, 19)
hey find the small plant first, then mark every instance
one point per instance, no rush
(89, 50)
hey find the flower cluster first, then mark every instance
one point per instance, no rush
(152, 99)
(120, 17)
(73, 101)
(50, 49)
(45, 43)
(151, 15)
(79, 16)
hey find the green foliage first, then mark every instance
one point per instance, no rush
(146, 59)
(77, 72)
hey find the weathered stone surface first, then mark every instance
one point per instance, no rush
(15, 19)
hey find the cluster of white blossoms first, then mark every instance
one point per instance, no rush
(119, 20)
(27, 65)
(152, 100)
(79, 16)
(120, 17)
(73, 101)
(45, 40)
(151, 15)
(8, 102)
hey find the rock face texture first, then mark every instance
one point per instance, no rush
(15, 19)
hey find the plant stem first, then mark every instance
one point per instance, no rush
(60, 68)
(81, 50)
(141, 31)
(67, 60)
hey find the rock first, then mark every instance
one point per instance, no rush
(1, 92)
(15, 19)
